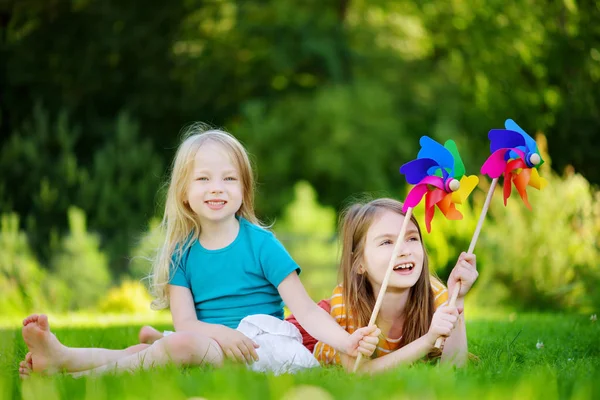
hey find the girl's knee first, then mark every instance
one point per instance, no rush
(136, 348)
(190, 348)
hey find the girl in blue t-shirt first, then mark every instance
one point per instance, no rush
(218, 269)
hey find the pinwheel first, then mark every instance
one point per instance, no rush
(514, 154)
(438, 173)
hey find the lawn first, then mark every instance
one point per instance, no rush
(511, 365)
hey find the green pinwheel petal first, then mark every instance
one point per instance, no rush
(459, 167)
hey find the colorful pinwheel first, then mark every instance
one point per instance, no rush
(514, 154)
(438, 173)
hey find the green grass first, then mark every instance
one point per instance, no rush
(509, 366)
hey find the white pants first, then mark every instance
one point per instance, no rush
(281, 349)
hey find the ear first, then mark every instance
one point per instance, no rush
(361, 269)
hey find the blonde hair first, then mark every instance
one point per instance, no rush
(179, 223)
(358, 294)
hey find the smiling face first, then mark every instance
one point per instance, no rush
(378, 248)
(214, 191)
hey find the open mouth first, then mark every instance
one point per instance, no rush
(215, 204)
(405, 268)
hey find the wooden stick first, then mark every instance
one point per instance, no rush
(439, 343)
(386, 279)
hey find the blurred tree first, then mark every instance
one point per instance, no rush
(120, 192)
(21, 277)
(80, 264)
(43, 176)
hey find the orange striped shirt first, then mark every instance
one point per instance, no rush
(326, 354)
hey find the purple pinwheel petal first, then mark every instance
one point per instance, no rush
(416, 170)
(504, 139)
(434, 150)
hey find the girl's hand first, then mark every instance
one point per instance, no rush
(442, 323)
(465, 271)
(236, 346)
(364, 341)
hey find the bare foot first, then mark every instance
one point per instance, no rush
(149, 335)
(25, 367)
(47, 353)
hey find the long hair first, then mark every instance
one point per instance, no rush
(358, 294)
(179, 223)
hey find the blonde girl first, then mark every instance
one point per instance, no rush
(222, 274)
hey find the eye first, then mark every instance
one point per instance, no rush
(413, 239)
(231, 178)
(202, 178)
(385, 242)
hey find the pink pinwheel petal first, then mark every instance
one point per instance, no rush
(414, 196)
(435, 181)
(495, 164)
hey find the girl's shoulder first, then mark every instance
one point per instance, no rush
(255, 230)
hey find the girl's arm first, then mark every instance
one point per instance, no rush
(465, 271)
(442, 324)
(456, 351)
(235, 345)
(320, 325)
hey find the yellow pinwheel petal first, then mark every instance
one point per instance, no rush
(536, 180)
(467, 184)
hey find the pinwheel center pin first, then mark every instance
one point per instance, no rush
(452, 185)
(533, 159)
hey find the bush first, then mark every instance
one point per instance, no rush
(547, 258)
(307, 230)
(143, 254)
(21, 276)
(130, 297)
(81, 265)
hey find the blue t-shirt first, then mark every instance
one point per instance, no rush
(238, 280)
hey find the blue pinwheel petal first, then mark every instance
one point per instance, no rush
(511, 155)
(416, 170)
(529, 141)
(504, 139)
(435, 151)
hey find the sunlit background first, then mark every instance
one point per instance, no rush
(330, 98)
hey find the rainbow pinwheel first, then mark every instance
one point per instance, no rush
(514, 154)
(438, 173)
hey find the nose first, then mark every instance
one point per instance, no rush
(404, 251)
(216, 187)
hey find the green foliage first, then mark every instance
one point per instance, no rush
(120, 190)
(44, 178)
(342, 143)
(307, 230)
(546, 258)
(145, 251)
(80, 265)
(336, 94)
(131, 297)
(447, 238)
(21, 277)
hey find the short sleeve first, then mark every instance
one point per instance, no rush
(275, 261)
(177, 270)
(440, 293)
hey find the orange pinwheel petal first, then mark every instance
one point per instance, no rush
(521, 180)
